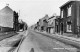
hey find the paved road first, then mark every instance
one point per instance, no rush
(35, 42)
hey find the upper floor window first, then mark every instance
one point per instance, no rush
(62, 14)
(69, 11)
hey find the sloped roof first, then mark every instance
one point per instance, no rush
(6, 9)
(68, 3)
(65, 4)
(74, 0)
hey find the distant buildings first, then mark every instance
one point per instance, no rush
(43, 23)
(46, 24)
(22, 25)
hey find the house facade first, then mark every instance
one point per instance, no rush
(15, 21)
(70, 17)
(8, 19)
(57, 24)
(22, 26)
(51, 24)
(43, 23)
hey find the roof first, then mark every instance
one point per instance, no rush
(74, 0)
(6, 9)
(51, 17)
(65, 4)
(68, 3)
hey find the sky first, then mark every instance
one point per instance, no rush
(32, 10)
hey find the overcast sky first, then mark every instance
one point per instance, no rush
(32, 10)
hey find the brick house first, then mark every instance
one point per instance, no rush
(8, 19)
(70, 17)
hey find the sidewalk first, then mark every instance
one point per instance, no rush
(9, 44)
(69, 36)
(73, 38)
(69, 40)
(7, 35)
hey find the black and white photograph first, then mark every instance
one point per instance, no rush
(39, 25)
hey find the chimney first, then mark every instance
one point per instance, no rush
(7, 4)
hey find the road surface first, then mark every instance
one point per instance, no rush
(37, 42)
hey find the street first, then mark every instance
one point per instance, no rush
(40, 26)
(36, 42)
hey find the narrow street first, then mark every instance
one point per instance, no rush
(40, 43)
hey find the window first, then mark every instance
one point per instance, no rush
(69, 11)
(62, 14)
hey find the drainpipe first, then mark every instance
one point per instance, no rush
(78, 24)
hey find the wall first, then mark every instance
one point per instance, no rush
(5, 29)
(75, 16)
(6, 17)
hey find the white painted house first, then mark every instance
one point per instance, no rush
(6, 17)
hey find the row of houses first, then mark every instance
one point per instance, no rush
(9, 20)
(46, 24)
(67, 22)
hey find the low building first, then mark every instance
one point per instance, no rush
(70, 15)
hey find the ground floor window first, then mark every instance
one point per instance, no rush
(69, 28)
